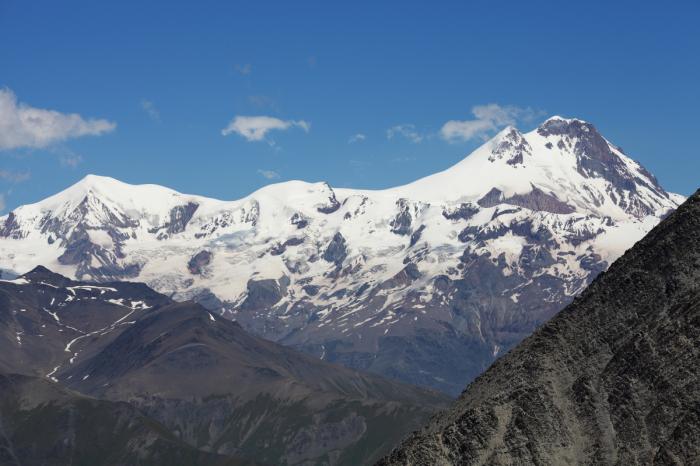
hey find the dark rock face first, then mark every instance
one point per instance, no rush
(199, 261)
(401, 224)
(311, 290)
(169, 383)
(81, 251)
(415, 236)
(613, 379)
(463, 212)
(10, 228)
(41, 274)
(43, 423)
(263, 294)
(209, 300)
(540, 201)
(491, 198)
(180, 216)
(332, 205)
(536, 200)
(299, 221)
(514, 146)
(407, 275)
(595, 158)
(281, 248)
(94, 261)
(336, 251)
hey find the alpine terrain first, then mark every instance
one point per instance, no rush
(613, 379)
(426, 283)
(115, 373)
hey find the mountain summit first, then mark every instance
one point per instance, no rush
(566, 159)
(402, 281)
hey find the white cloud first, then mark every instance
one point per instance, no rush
(150, 109)
(269, 174)
(407, 131)
(359, 137)
(2, 202)
(14, 177)
(25, 126)
(244, 69)
(255, 128)
(487, 119)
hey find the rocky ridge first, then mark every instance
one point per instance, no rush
(400, 282)
(613, 379)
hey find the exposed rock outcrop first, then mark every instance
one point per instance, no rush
(613, 379)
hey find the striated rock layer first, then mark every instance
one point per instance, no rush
(613, 379)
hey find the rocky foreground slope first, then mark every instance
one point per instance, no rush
(402, 282)
(42, 423)
(613, 379)
(196, 380)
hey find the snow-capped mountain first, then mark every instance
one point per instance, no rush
(426, 282)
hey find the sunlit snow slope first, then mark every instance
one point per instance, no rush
(426, 282)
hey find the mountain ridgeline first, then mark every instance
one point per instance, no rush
(613, 379)
(402, 282)
(116, 373)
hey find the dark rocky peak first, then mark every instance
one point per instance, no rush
(491, 198)
(93, 203)
(571, 127)
(332, 204)
(512, 147)
(85, 215)
(41, 274)
(596, 157)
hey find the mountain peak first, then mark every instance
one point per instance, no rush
(91, 182)
(560, 126)
(41, 274)
(562, 119)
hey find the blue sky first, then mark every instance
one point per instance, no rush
(153, 85)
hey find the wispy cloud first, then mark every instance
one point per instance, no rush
(269, 174)
(24, 126)
(255, 128)
(66, 156)
(150, 109)
(407, 131)
(14, 177)
(244, 69)
(359, 137)
(487, 119)
(2, 202)
(70, 160)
